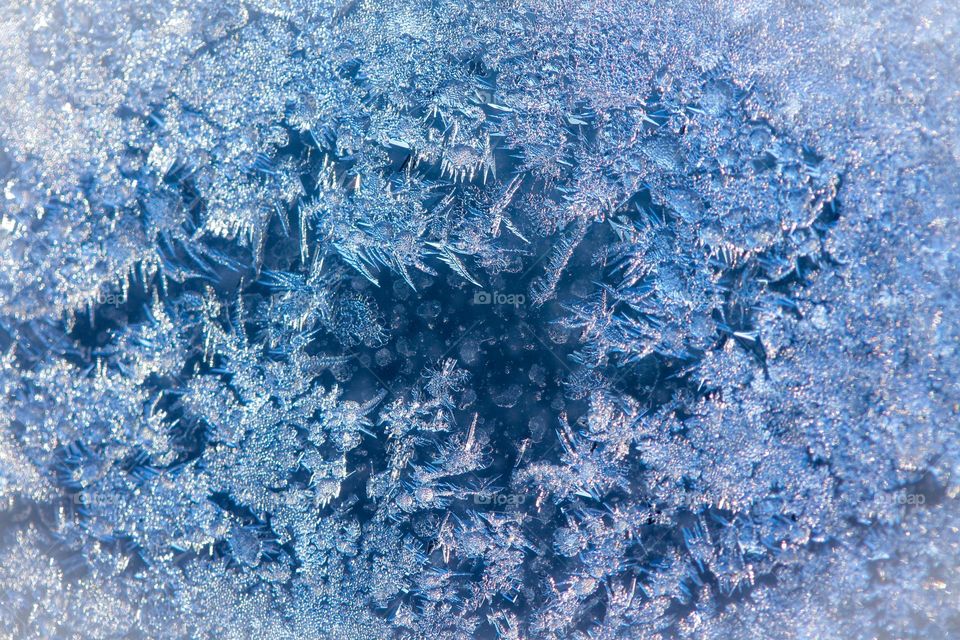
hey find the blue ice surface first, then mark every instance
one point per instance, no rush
(431, 320)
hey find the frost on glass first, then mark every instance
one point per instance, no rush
(511, 320)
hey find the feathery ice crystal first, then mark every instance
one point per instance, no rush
(510, 320)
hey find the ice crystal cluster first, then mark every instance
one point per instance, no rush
(447, 319)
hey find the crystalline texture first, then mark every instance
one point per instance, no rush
(521, 320)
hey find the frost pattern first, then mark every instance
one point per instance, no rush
(519, 320)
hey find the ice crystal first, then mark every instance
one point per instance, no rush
(519, 320)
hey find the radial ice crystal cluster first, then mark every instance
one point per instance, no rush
(445, 319)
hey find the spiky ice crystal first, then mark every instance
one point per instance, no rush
(520, 320)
